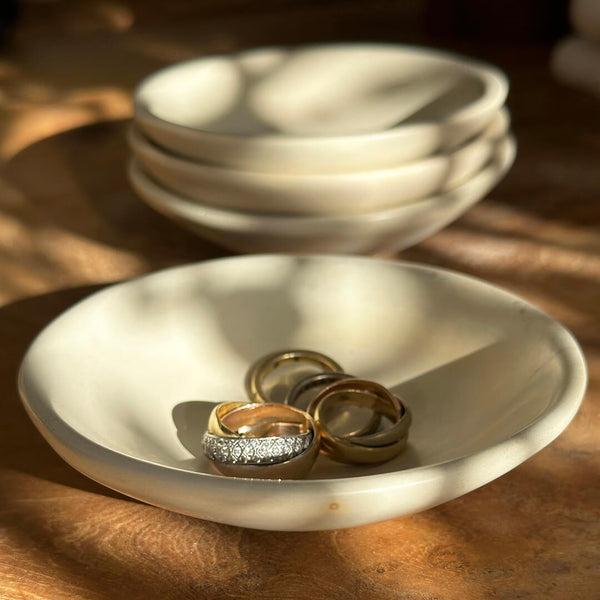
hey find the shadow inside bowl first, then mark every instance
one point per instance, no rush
(451, 417)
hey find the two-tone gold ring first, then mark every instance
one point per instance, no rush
(261, 440)
(268, 440)
(319, 381)
(374, 447)
(313, 382)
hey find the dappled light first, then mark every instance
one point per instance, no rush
(70, 224)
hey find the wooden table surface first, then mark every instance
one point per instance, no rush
(70, 223)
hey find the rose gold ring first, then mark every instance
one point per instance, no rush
(265, 441)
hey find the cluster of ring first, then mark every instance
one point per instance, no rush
(274, 440)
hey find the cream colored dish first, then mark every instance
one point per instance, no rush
(121, 384)
(329, 108)
(321, 194)
(388, 229)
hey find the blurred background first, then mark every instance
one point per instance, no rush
(67, 71)
(84, 58)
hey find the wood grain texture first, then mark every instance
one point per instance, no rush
(70, 223)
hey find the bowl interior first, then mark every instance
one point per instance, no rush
(137, 367)
(323, 91)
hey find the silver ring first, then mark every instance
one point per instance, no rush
(255, 451)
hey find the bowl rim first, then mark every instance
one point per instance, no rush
(502, 158)
(495, 83)
(552, 421)
(494, 132)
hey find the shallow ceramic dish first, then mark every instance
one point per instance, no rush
(383, 230)
(329, 108)
(121, 384)
(321, 194)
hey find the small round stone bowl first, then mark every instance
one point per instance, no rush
(122, 384)
(318, 109)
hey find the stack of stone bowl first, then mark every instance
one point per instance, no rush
(355, 148)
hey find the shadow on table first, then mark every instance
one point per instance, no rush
(22, 448)
(101, 547)
(105, 544)
(81, 187)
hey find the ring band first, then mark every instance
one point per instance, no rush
(321, 380)
(255, 450)
(369, 394)
(215, 425)
(265, 441)
(311, 382)
(371, 448)
(295, 468)
(389, 435)
(244, 419)
(343, 451)
(259, 370)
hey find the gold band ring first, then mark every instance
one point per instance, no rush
(341, 450)
(372, 448)
(259, 370)
(215, 425)
(369, 394)
(322, 380)
(244, 419)
(266, 441)
(313, 381)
